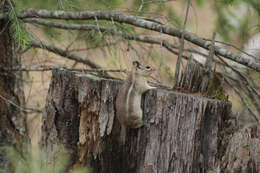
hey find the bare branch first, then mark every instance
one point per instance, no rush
(244, 78)
(27, 110)
(50, 68)
(235, 47)
(242, 99)
(145, 39)
(178, 64)
(247, 89)
(67, 26)
(56, 50)
(157, 1)
(211, 54)
(139, 22)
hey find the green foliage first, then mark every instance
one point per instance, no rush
(255, 4)
(101, 4)
(200, 2)
(244, 29)
(230, 25)
(223, 26)
(18, 29)
(94, 38)
(68, 4)
(46, 4)
(174, 19)
(125, 28)
(145, 5)
(32, 162)
(215, 89)
(227, 2)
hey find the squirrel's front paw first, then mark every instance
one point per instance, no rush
(150, 87)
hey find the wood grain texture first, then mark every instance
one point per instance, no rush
(182, 133)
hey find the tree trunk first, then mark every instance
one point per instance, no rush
(182, 133)
(12, 120)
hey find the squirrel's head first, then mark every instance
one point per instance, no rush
(142, 70)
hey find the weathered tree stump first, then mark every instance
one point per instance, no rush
(194, 78)
(182, 133)
(243, 152)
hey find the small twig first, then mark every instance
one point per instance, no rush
(242, 99)
(60, 4)
(140, 7)
(244, 84)
(244, 78)
(100, 33)
(177, 70)
(50, 68)
(158, 1)
(210, 58)
(231, 45)
(27, 110)
(72, 42)
(246, 89)
(61, 52)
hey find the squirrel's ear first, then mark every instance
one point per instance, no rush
(136, 64)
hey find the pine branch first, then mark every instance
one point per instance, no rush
(18, 29)
(145, 39)
(139, 22)
(50, 68)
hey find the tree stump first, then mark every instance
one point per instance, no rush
(243, 152)
(182, 132)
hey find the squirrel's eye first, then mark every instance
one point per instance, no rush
(148, 67)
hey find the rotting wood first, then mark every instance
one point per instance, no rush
(243, 152)
(182, 133)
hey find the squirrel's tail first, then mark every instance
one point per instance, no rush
(123, 134)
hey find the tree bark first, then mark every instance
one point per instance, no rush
(12, 119)
(243, 152)
(182, 133)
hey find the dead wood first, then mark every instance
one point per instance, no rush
(182, 133)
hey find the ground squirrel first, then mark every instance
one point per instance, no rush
(128, 103)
